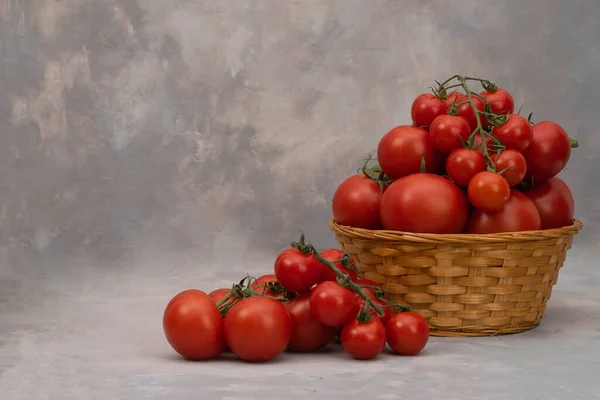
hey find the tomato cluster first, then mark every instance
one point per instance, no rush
(310, 299)
(468, 164)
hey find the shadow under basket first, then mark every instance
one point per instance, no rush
(464, 285)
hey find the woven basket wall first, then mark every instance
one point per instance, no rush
(465, 285)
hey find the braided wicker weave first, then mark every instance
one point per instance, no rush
(465, 285)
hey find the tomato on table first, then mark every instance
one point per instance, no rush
(500, 100)
(308, 333)
(363, 340)
(518, 214)
(332, 304)
(355, 203)
(554, 201)
(425, 108)
(407, 333)
(258, 329)
(512, 164)
(548, 152)
(424, 203)
(449, 132)
(295, 271)
(488, 191)
(463, 164)
(333, 255)
(515, 134)
(193, 326)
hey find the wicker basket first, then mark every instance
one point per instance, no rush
(465, 285)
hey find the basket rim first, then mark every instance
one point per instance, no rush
(432, 238)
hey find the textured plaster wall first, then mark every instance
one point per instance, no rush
(139, 136)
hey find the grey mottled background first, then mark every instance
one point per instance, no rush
(147, 146)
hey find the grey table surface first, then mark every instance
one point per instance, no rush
(100, 337)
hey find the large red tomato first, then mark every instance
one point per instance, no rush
(488, 191)
(515, 134)
(424, 203)
(401, 151)
(332, 255)
(501, 102)
(193, 326)
(363, 340)
(518, 214)
(548, 152)
(425, 108)
(407, 333)
(295, 271)
(258, 329)
(513, 164)
(449, 132)
(356, 203)
(308, 334)
(464, 164)
(555, 203)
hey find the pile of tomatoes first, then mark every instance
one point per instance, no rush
(309, 300)
(467, 164)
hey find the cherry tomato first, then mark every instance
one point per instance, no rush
(554, 201)
(193, 326)
(407, 333)
(454, 98)
(501, 102)
(368, 286)
(387, 309)
(488, 191)
(219, 294)
(308, 333)
(295, 271)
(548, 152)
(400, 152)
(424, 203)
(449, 132)
(332, 304)
(332, 255)
(518, 214)
(513, 159)
(363, 340)
(489, 143)
(466, 111)
(425, 108)
(464, 164)
(258, 329)
(356, 203)
(515, 134)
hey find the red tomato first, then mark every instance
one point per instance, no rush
(264, 285)
(331, 303)
(401, 151)
(464, 164)
(363, 340)
(193, 326)
(365, 283)
(518, 214)
(308, 334)
(466, 111)
(332, 255)
(454, 98)
(297, 272)
(501, 102)
(554, 201)
(219, 294)
(387, 309)
(488, 191)
(515, 134)
(258, 329)
(425, 108)
(513, 159)
(548, 152)
(356, 203)
(424, 203)
(407, 333)
(489, 142)
(449, 132)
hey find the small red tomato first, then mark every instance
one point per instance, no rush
(401, 151)
(449, 132)
(513, 164)
(548, 152)
(368, 286)
(518, 214)
(515, 134)
(308, 333)
(501, 102)
(297, 272)
(356, 203)
(332, 255)
(363, 340)
(268, 285)
(219, 294)
(454, 98)
(488, 191)
(387, 309)
(464, 164)
(554, 201)
(407, 333)
(425, 108)
(331, 303)
(478, 143)
(466, 111)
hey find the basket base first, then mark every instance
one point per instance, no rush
(482, 332)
